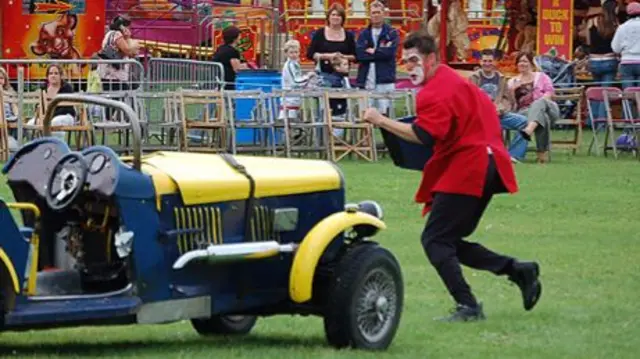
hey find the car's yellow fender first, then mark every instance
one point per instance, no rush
(6, 263)
(313, 246)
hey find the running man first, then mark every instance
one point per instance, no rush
(469, 165)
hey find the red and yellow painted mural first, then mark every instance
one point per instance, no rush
(40, 29)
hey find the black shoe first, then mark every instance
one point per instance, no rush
(525, 275)
(525, 135)
(464, 313)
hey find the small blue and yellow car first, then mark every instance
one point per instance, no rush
(216, 239)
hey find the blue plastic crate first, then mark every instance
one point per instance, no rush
(265, 80)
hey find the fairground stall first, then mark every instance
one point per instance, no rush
(544, 27)
(191, 29)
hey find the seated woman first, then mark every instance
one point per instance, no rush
(532, 91)
(54, 84)
(10, 109)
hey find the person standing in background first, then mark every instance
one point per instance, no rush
(376, 54)
(117, 77)
(626, 42)
(331, 40)
(601, 25)
(227, 55)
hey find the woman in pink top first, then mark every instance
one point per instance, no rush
(532, 91)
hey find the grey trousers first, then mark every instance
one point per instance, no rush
(545, 112)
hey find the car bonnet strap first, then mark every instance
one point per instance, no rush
(252, 190)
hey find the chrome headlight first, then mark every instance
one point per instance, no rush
(368, 207)
(372, 208)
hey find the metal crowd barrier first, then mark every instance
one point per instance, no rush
(75, 72)
(160, 74)
(171, 74)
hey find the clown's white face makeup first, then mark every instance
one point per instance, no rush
(414, 64)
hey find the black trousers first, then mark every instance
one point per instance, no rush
(454, 217)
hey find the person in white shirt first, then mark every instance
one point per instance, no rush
(293, 79)
(626, 42)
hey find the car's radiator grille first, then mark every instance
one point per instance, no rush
(203, 226)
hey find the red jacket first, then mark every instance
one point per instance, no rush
(463, 122)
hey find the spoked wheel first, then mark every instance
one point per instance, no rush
(376, 305)
(225, 325)
(366, 299)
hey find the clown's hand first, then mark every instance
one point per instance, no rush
(372, 116)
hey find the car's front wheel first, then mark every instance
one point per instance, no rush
(365, 299)
(224, 325)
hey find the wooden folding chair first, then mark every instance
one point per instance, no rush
(308, 132)
(115, 122)
(259, 121)
(608, 96)
(358, 136)
(11, 100)
(572, 98)
(631, 109)
(410, 102)
(615, 123)
(206, 123)
(159, 111)
(33, 107)
(81, 128)
(392, 97)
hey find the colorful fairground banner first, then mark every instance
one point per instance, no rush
(555, 28)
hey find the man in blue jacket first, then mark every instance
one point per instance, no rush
(376, 54)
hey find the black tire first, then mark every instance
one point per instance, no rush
(352, 284)
(224, 325)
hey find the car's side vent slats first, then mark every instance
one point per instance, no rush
(200, 227)
(262, 225)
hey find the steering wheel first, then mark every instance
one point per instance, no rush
(66, 181)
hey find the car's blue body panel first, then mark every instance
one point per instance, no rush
(157, 244)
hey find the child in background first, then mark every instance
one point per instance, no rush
(292, 79)
(339, 78)
(582, 61)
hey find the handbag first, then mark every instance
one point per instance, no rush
(110, 52)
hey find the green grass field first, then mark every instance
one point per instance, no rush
(578, 216)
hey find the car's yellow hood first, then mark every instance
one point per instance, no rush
(207, 178)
